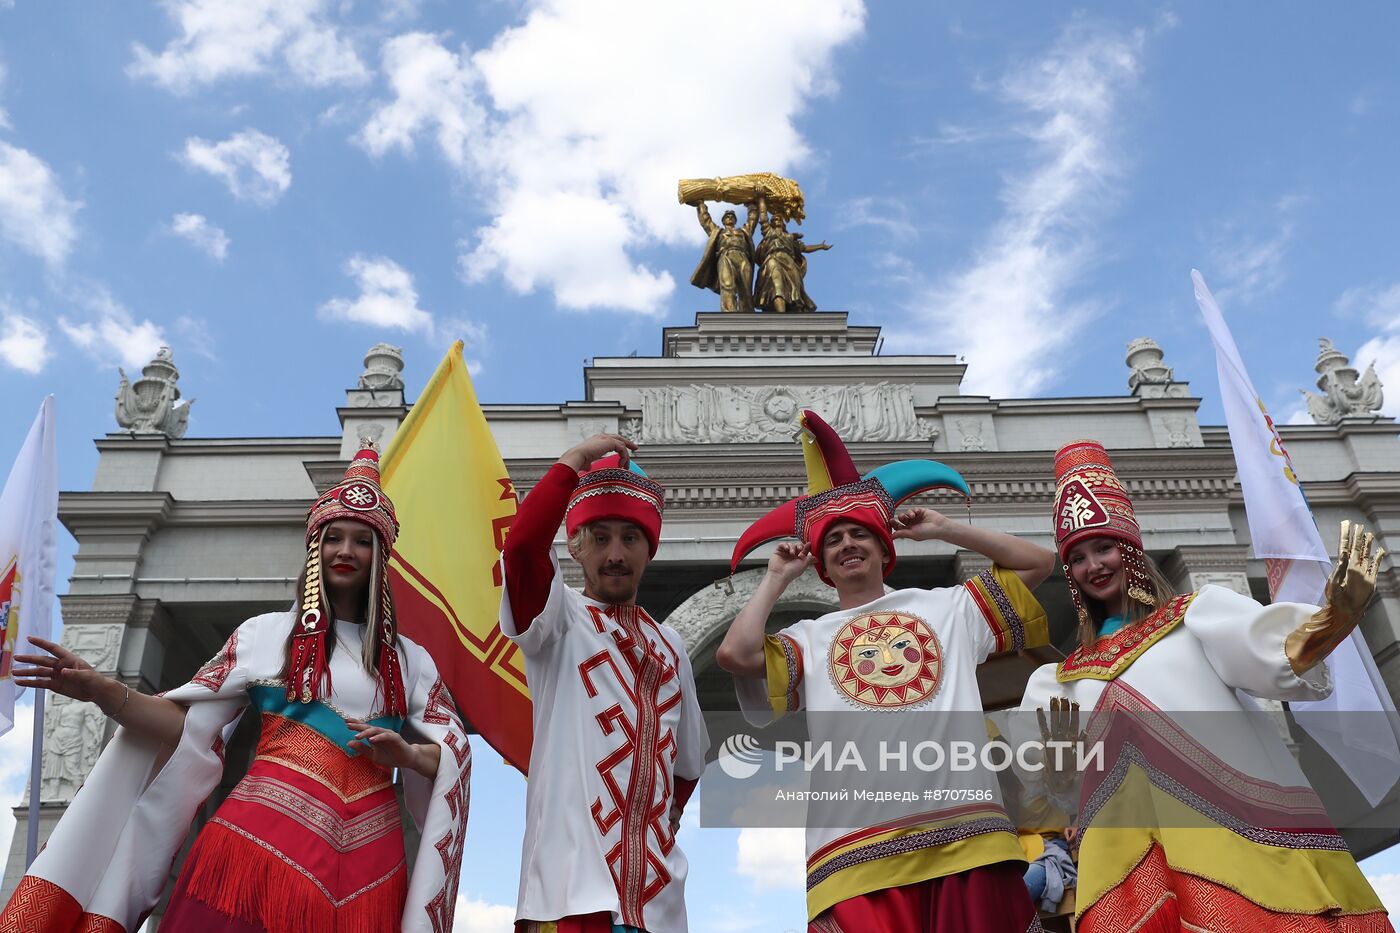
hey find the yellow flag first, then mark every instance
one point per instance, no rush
(455, 504)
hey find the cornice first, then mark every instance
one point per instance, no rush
(129, 512)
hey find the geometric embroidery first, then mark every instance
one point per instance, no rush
(304, 750)
(458, 798)
(1109, 657)
(213, 674)
(440, 710)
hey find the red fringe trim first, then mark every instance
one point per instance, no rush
(243, 880)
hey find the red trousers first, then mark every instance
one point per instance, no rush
(987, 899)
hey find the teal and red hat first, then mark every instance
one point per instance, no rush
(836, 492)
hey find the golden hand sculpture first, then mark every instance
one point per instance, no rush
(1349, 590)
(1063, 726)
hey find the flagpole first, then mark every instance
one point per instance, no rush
(36, 772)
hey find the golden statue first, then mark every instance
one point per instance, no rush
(783, 195)
(782, 266)
(727, 265)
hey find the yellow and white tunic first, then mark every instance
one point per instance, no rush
(1198, 820)
(909, 651)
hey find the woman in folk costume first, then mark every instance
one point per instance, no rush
(1193, 820)
(905, 662)
(310, 840)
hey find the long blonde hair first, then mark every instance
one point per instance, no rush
(370, 643)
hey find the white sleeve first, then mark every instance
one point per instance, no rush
(692, 739)
(1243, 641)
(539, 632)
(779, 690)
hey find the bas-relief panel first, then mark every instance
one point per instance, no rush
(715, 414)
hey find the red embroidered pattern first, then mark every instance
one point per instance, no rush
(647, 752)
(440, 710)
(1109, 657)
(1155, 897)
(449, 846)
(213, 674)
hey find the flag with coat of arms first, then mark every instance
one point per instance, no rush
(28, 536)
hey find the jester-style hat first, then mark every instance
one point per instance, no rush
(608, 491)
(1090, 502)
(836, 492)
(358, 496)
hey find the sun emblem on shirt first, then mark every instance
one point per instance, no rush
(886, 660)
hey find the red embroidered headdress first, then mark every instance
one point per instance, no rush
(836, 492)
(1090, 502)
(608, 492)
(359, 497)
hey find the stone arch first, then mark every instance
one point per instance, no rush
(708, 612)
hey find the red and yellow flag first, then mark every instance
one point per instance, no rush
(455, 504)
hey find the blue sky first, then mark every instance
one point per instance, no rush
(270, 187)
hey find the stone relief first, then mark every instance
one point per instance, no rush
(631, 428)
(588, 427)
(1178, 431)
(1239, 582)
(703, 413)
(971, 431)
(72, 740)
(97, 644)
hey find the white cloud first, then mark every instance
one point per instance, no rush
(254, 166)
(132, 344)
(35, 215)
(1384, 350)
(387, 297)
(885, 214)
(23, 344)
(1020, 278)
(1379, 306)
(773, 858)
(478, 916)
(433, 92)
(1387, 888)
(237, 38)
(577, 174)
(114, 336)
(1251, 265)
(198, 230)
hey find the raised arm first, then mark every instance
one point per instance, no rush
(1030, 562)
(65, 673)
(741, 652)
(751, 218)
(706, 221)
(527, 547)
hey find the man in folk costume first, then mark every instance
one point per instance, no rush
(1191, 820)
(619, 743)
(310, 839)
(955, 865)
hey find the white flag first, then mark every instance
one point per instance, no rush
(1286, 538)
(28, 530)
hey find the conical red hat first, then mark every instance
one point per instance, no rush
(1090, 500)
